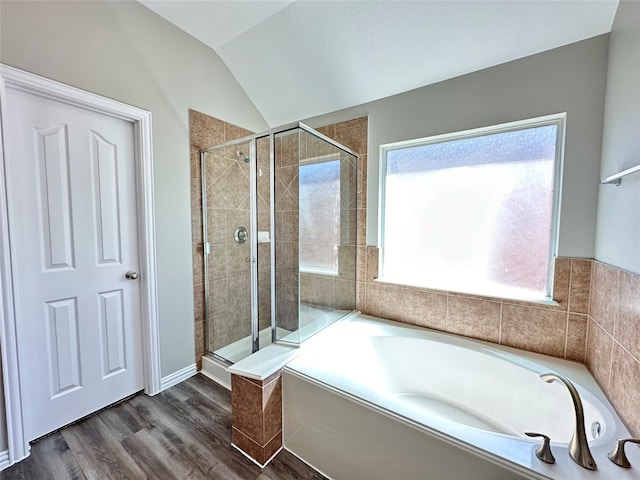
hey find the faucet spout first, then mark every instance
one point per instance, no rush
(578, 446)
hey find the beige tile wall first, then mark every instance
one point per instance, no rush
(287, 152)
(256, 409)
(353, 134)
(613, 346)
(597, 321)
(332, 291)
(559, 330)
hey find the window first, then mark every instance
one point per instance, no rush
(319, 216)
(474, 211)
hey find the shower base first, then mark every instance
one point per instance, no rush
(312, 320)
(236, 351)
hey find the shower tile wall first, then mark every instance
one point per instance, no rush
(334, 292)
(286, 218)
(292, 242)
(205, 131)
(229, 275)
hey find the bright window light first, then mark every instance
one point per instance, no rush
(474, 212)
(319, 216)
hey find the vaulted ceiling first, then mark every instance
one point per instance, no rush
(300, 58)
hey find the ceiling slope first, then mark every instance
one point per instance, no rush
(298, 59)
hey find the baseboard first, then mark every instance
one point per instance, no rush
(177, 377)
(4, 460)
(237, 448)
(216, 371)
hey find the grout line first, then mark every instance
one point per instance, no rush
(614, 328)
(570, 282)
(446, 313)
(626, 350)
(586, 340)
(590, 287)
(613, 342)
(566, 336)
(500, 325)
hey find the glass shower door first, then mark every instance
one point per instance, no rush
(227, 235)
(279, 217)
(315, 242)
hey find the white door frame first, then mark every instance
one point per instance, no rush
(26, 82)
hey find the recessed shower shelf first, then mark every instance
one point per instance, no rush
(617, 178)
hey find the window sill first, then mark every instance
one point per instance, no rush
(544, 301)
(319, 271)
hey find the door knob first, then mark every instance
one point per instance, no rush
(131, 275)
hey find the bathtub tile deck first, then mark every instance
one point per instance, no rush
(183, 432)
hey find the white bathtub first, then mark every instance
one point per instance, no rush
(368, 398)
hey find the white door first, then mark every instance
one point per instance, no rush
(72, 225)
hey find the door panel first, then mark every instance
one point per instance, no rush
(61, 326)
(105, 170)
(112, 332)
(72, 220)
(54, 195)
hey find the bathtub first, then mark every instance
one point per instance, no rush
(373, 399)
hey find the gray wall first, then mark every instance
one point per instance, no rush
(618, 226)
(567, 79)
(124, 51)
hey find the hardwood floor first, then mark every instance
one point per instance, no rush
(181, 433)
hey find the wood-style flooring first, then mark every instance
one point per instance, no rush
(181, 433)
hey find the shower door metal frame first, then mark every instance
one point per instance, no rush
(253, 236)
(253, 244)
(253, 213)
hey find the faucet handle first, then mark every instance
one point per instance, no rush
(617, 456)
(544, 451)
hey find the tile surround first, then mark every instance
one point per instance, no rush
(545, 330)
(549, 329)
(473, 317)
(604, 299)
(613, 347)
(575, 347)
(596, 321)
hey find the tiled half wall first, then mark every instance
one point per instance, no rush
(256, 410)
(557, 330)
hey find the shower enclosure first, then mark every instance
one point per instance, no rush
(279, 231)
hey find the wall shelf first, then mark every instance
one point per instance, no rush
(617, 178)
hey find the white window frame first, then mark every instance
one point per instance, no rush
(558, 119)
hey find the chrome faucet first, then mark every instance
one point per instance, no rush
(578, 446)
